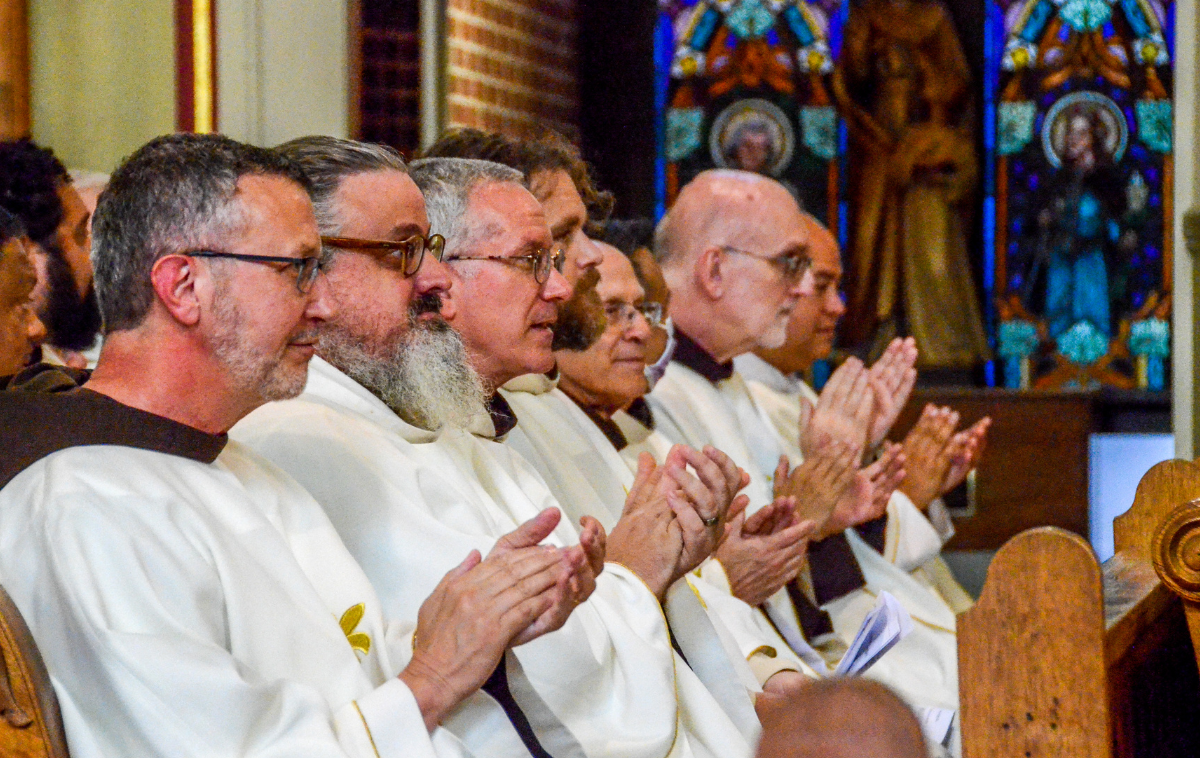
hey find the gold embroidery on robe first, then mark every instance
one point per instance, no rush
(349, 622)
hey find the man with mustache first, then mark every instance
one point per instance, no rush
(190, 599)
(393, 435)
(36, 187)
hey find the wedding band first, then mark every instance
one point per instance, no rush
(710, 521)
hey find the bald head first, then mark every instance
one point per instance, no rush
(841, 718)
(730, 250)
(718, 206)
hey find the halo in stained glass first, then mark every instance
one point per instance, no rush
(1054, 126)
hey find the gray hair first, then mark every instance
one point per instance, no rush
(175, 194)
(328, 161)
(447, 184)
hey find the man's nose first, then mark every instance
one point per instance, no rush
(836, 305)
(434, 278)
(556, 287)
(35, 330)
(320, 300)
(587, 254)
(805, 286)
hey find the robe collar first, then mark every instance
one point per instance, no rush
(533, 384)
(35, 425)
(755, 369)
(691, 355)
(329, 386)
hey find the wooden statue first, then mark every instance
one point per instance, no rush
(14, 69)
(902, 86)
(30, 722)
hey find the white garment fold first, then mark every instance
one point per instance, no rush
(192, 609)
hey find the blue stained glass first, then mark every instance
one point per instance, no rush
(1037, 21)
(705, 30)
(772, 37)
(795, 21)
(1137, 20)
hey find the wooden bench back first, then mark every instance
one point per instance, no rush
(1063, 657)
(30, 722)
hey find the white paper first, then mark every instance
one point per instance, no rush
(886, 624)
(935, 723)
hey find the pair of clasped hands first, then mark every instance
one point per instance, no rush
(674, 518)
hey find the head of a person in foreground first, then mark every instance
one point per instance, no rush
(734, 252)
(840, 718)
(507, 281)
(206, 258)
(812, 328)
(610, 375)
(558, 177)
(21, 331)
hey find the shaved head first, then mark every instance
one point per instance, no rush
(841, 718)
(720, 205)
(731, 250)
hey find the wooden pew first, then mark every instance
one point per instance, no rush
(30, 722)
(1064, 657)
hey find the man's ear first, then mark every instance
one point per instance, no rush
(174, 280)
(710, 273)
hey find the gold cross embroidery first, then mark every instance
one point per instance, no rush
(349, 622)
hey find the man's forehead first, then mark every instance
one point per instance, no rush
(617, 278)
(277, 207)
(507, 208)
(387, 202)
(560, 199)
(823, 249)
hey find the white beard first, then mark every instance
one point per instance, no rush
(423, 375)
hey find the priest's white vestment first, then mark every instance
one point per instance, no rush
(913, 541)
(190, 606)
(586, 473)
(691, 409)
(409, 504)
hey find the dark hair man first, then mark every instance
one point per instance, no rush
(21, 331)
(36, 188)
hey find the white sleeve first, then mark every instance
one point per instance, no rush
(129, 611)
(910, 539)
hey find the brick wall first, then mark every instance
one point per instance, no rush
(512, 64)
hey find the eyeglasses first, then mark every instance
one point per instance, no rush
(622, 315)
(408, 254)
(792, 265)
(541, 261)
(307, 267)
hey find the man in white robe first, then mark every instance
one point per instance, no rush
(913, 537)
(188, 598)
(724, 249)
(392, 438)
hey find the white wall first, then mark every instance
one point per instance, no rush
(282, 69)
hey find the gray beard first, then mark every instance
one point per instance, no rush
(423, 374)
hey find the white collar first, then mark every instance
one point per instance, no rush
(533, 384)
(755, 369)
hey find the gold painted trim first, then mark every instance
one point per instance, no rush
(366, 726)
(766, 650)
(202, 67)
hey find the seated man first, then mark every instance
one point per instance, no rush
(36, 187)
(21, 331)
(189, 599)
(781, 397)
(393, 437)
(732, 250)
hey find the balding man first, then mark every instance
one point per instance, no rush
(907, 537)
(394, 437)
(841, 718)
(190, 599)
(725, 249)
